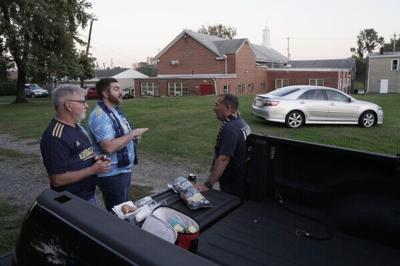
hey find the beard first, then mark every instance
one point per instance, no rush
(115, 100)
(80, 117)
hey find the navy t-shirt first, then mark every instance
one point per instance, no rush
(232, 142)
(65, 148)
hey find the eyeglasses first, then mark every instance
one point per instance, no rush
(78, 101)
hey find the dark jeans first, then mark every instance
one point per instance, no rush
(115, 189)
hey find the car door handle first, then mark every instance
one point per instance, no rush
(332, 104)
(302, 102)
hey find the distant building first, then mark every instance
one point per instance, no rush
(126, 79)
(201, 64)
(336, 73)
(384, 72)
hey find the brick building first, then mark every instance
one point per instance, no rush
(200, 64)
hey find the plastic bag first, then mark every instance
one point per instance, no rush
(193, 198)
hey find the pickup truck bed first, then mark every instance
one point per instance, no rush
(265, 234)
(307, 204)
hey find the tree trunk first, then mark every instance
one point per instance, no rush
(20, 85)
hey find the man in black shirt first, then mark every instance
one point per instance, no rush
(228, 166)
(66, 148)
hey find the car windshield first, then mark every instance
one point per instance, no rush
(283, 91)
(35, 87)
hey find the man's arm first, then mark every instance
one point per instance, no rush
(218, 169)
(69, 177)
(113, 145)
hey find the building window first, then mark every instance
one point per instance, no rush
(395, 65)
(262, 85)
(177, 89)
(316, 82)
(279, 83)
(240, 88)
(226, 88)
(149, 89)
(250, 87)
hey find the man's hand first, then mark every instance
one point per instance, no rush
(201, 187)
(101, 166)
(102, 157)
(138, 132)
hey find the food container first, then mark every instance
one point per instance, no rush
(158, 227)
(118, 211)
(187, 228)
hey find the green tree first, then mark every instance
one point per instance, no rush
(367, 41)
(41, 36)
(5, 61)
(149, 70)
(218, 30)
(394, 45)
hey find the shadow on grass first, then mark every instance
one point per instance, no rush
(11, 218)
(139, 191)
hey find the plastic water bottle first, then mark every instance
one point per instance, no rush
(143, 201)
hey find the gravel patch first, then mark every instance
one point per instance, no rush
(23, 176)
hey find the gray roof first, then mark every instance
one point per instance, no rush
(264, 54)
(346, 63)
(206, 40)
(221, 47)
(384, 54)
(229, 46)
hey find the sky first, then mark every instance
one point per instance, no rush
(127, 31)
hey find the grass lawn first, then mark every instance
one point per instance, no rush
(184, 128)
(10, 222)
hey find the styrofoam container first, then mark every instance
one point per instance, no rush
(117, 210)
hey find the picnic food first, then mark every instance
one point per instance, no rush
(193, 198)
(126, 208)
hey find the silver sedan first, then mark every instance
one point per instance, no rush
(304, 104)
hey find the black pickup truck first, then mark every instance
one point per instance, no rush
(307, 204)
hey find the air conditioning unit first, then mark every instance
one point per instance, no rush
(174, 62)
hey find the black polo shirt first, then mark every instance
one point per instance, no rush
(232, 143)
(65, 148)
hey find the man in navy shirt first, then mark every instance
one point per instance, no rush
(228, 166)
(66, 148)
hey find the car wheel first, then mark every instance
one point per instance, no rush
(367, 119)
(295, 119)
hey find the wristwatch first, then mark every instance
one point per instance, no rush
(208, 184)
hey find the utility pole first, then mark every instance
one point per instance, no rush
(87, 49)
(288, 51)
(90, 36)
(394, 42)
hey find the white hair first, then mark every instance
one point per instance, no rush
(65, 92)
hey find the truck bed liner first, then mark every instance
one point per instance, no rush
(265, 234)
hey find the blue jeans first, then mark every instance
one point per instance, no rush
(115, 189)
